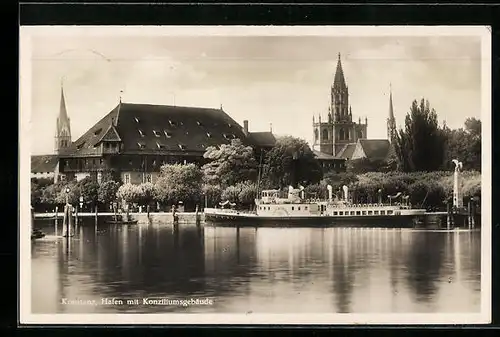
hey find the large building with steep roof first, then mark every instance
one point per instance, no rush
(133, 141)
(338, 138)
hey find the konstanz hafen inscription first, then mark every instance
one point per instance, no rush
(139, 301)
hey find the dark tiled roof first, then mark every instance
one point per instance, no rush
(323, 156)
(264, 139)
(346, 152)
(44, 163)
(145, 128)
(375, 149)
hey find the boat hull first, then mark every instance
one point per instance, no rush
(387, 221)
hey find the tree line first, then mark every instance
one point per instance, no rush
(421, 155)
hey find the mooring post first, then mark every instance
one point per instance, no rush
(55, 221)
(95, 215)
(197, 216)
(148, 209)
(70, 222)
(76, 215)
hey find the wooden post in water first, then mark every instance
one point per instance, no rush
(95, 215)
(473, 213)
(76, 215)
(55, 221)
(148, 209)
(449, 215)
(197, 217)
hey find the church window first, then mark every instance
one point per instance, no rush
(325, 134)
(342, 134)
(141, 133)
(360, 134)
(316, 134)
(157, 134)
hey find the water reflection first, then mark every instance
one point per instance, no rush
(260, 270)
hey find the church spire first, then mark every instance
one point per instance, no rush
(63, 127)
(339, 80)
(391, 121)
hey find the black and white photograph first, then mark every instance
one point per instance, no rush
(255, 175)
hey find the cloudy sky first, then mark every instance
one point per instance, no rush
(278, 80)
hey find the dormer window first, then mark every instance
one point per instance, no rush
(97, 132)
(182, 147)
(157, 134)
(168, 134)
(141, 133)
(79, 146)
(172, 123)
(209, 135)
(141, 145)
(230, 125)
(199, 123)
(137, 120)
(161, 146)
(229, 136)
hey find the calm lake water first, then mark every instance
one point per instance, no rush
(280, 270)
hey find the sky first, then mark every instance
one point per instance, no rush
(272, 81)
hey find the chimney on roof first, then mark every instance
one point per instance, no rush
(245, 127)
(271, 127)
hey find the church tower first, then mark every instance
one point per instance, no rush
(339, 130)
(391, 121)
(63, 128)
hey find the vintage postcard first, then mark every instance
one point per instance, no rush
(255, 175)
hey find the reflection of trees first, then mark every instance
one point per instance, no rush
(343, 271)
(425, 259)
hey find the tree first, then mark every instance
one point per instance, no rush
(212, 194)
(89, 190)
(363, 165)
(147, 193)
(248, 193)
(291, 162)
(231, 193)
(129, 193)
(62, 195)
(464, 145)
(179, 183)
(420, 146)
(230, 164)
(107, 192)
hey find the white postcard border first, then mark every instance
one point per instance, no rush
(25, 315)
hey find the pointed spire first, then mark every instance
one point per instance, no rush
(63, 113)
(339, 80)
(391, 108)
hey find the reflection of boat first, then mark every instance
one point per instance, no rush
(37, 234)
(120, 220)
(296, 210)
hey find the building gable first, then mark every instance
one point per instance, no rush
(44, 163)
(375, 149)
(358, 152)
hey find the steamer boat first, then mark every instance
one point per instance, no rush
(295, 210)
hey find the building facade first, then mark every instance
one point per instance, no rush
(133, 141)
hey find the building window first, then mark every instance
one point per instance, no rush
(199, 123)
(160, 146)
(316, 134)
(229, 125)
(141, 145)
(126, 178)
(325, 134)
(137, 120)
(182, 146)
(168, 134)
(172, 123)
(157, 134)
(209, 135)
(147, 178)
(141, 133)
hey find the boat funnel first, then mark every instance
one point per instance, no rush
(346, 192)
(290, 192)
(329, 188)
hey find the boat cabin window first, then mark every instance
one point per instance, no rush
(389, 212)
(305, 207)
(292, 208)
(358, 212)
(341, 213)
(375, 212)
(334, 213)
(382, 212)
(364, 212)
(352, 212)
(370, 212)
